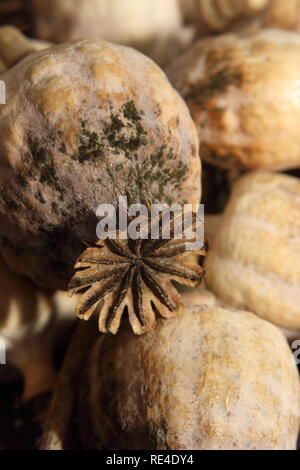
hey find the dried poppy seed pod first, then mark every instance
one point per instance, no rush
(211, 379)
(130, 22)
(198, 296)
(278, 14)
(254, 262)
(86, 122)
(242, 91)
(14, 46)
(152, 27)
(218, 15)
(31, 321)
(211, 226)
(138, 275)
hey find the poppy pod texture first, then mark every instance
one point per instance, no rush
(84, 123)
(192, 383)
(243, 92)
(254, 261)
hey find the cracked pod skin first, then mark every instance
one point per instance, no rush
(243, 92)
(254, 261)
(84, 123)
(209, 379)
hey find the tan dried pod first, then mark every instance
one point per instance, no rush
(211, 226)
(278, 14)
(243, 92)
(199, 296)
(86, 122)
(31, 321)
(237, 15)
(2, 66)
(217, 15)
(211, 379)
(153, 27)
(130, 22)
(254, 262)
(14, 46)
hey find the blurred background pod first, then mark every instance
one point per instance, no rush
(254, 262)
(14, 46)
(215, 16)
(278, 14)
(219, 16)
(229, 83)
(130, 22)
(31, 322)
(153, 27)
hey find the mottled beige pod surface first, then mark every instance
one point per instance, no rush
(254, 262)
(86, 122)
(210, 379)
(244, 94)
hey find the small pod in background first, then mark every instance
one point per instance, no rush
(244, 94)
(216, 16)
(254, 261)
(14, 46)
(153, 27)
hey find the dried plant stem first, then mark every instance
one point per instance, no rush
(58, 419)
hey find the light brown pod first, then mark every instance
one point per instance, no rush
(86, 122)
(254, 262)
(278, 14)
(14, 46)
(210, 379)
(210, 16)
(218, 15)
(130, 22)
(244, 94)
(136, 23)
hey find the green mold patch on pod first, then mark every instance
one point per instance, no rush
(85, 123)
